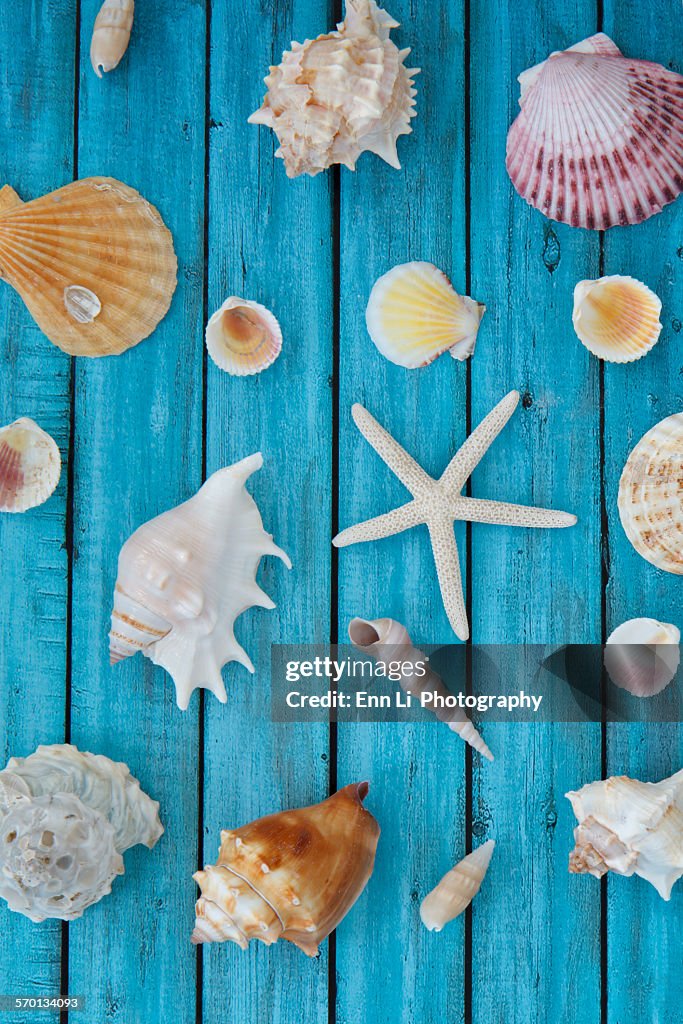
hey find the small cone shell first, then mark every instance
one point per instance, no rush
(293, 875)
(616, 318)
(599, 138)
(111, 34)
(243, 337)
(651, 495)
(457, 888)
(30, 466)
(642, 656)
(414, 314)
(93, 262)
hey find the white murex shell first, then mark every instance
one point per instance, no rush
(111, 34)
(387, 640)
(185, 577)
(30, 466)
(457, 888)
(631, 828)
(341, 94)
(642, 656)
(65, 819)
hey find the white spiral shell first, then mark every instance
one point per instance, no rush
(111, 34)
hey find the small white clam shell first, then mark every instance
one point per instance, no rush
(617, 318)
(243, 337)
(414, 314)
(457, 888)
(643, 655)
(30, 466)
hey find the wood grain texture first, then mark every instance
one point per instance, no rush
(642, 984)
(416, 772)
(36, 121)
(270, 239)
(138, 452)
(533, 921)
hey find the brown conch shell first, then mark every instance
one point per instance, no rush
(292, 875)
(93, 262)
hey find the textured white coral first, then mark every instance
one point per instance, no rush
(334, 97)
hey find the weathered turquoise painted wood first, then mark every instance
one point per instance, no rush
(389, 968)
(532, 921)
(137, 453)
(36, 121)
(270, 239)
(642, 979)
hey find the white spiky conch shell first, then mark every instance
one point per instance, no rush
(93, 261)
(650, 497)
(30, 466)
(111, 34)
(388, 640)
(617, 318)
(457, 888)
(342, 94)
(631, 828)
(66, 817)
(186, 576)
(292, 875)
(599, 139)
(243, 337)
(414, 314)
(643, 656)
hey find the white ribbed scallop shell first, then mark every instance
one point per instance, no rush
(599, 139)
(65, 819)
(30, 466)
(337, 96)
(186, 576)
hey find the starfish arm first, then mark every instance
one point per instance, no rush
(390, 451)
(461, 466)
(500, 513)
(448, 570)
(396, 521)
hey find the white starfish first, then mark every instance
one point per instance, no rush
(439, 503)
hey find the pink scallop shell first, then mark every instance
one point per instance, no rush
(599, 140)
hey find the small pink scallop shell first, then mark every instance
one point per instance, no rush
(599, 139)
(30, 466)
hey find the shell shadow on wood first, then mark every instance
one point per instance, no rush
(292, 875)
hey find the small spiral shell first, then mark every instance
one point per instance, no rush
(111, 34)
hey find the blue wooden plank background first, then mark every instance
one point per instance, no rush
(140, 431)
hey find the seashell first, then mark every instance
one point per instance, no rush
(342, 94)
(457, 888)
(93, 262)
(599, 140)
(292, 875)
(651, 495)
(30, 466)
(616, 318)
(65, 819)
(185, 577)
(631, 828)
(243, 337)
(414, 314)
(387, 640)
(111, 34)
(642, 656)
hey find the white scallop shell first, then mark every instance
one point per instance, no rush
(30, 466)
(651, 495)
(111, 34)
(617, 318)
(630, 827)
(642, 656)
(243, 337)
(414, 314)
(599, 139)
(65, 819)
(186, 576)
(457, 888)
(337, 96)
